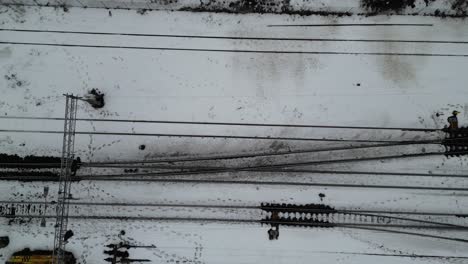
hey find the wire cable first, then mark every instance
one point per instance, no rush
(355, 25)
(377, 173)
(235, 50)
(213, 169)
(230, 37)
(276, 183)
(216, 136)
(240, 156)
(224, 123)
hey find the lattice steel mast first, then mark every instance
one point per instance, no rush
(62, 206)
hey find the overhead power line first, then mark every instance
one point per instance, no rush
(207, 158)
(226, 123)
(437, 141)
(230, 37)
(212, 157)
(306, 171)
(238, 182)
(355, 25)
(187, 170)
(244, 156)
(421, 54)
(287, 183)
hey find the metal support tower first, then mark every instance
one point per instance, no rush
(63, 201)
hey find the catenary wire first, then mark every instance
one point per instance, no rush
(232, 37)
(435, 141)
(226, 123)
(421, 54)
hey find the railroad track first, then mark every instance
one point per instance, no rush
(421, 224)
(282, 214)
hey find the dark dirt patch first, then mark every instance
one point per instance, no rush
(257, 6)
(386, 6)
(95, 98)
(13, 80)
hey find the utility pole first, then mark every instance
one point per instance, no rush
(63, 202)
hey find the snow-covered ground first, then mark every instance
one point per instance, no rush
(378, 83)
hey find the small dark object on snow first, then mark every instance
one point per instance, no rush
(117, 253)
(142, 11)
(76, 164)
(110, 13)
(117, 246)
(273, 234)
(12, 211)
(142, 147)
(95, 98)
(321, 195)
(4, 241)
(67, 235)
(122, 254)
(111, 260)
(453, 120)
